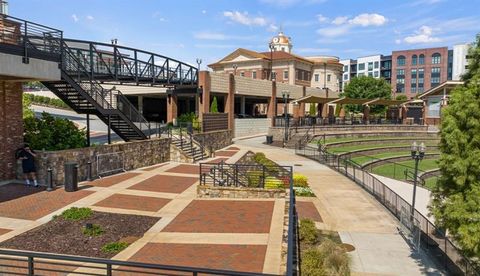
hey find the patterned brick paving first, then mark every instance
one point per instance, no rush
(165, 184)
(246, 258)
(218, 160)
(132, 202)
(3, 231)
(13, 191)
(307, 209)
(112, 180)
(221, 216)
(20, 267)
(153, 167)
(225, 153)
(189, 169)
(39, 204)
(233, 148)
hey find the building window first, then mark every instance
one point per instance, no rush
(414, 74)
(361, 66)
(345, 68)
(285, 75)
(254, 74)
(370, 74)
(329, 77)
(436, 58)
(436, 70)
(274, 75)
(387, 74)
(414, 60)
(370, 66)
(401, 60)
(375, 74)
(435, 76)
(386, 65)
(345, 77)
(242, 74)
(297, 74)
(361, 74)
(316, 77)
(421, 59)
(376, 64)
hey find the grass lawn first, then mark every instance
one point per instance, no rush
(364, 159)
(371, 138)
(430, 182)
(397, 172)
(367, 147)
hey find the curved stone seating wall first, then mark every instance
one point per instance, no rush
(378, 133)
(388, 160)
(363, 152)
(430, 173)
(379, 142)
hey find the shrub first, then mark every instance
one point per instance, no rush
(273, 183)
(114, 247)
(303, 191)
(312, 263)
(214, 106)
(308, 231)
(75, 213)
(254, 178)
(95, 230)
(327, 259)
(300, 180)
(261, 159)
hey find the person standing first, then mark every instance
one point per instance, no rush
(27, 155)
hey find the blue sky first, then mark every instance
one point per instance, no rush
(210, 29)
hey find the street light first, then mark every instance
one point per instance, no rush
(199, 61)
(418, 152)
(286, 96)
(271, 46)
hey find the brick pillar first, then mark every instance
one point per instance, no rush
(205, 83)
(424, 112)
(230, 102)
(11, 127)
(272, 104)
(301, 107)
(172, 109)
(366, 113)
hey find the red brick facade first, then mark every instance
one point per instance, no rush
(427, 66)
(11, 127)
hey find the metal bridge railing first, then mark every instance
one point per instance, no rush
(432, 239)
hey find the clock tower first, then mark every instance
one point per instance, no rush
(281, 42)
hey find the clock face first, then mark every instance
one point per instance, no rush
(275, 39)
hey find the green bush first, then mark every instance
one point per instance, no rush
(312, 263)
(76, 213)
(329, 258)
(50, 133)
(214, 106)
(303, 191)
(114, 247)
(261, 159)
(95, 230)
(273, 183)
(254, 178)
(308, 232)
(300, 180)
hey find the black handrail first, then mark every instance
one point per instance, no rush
(110, 265)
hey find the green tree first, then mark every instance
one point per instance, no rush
(26, 107)
(313, 109)
(364, 87)
(473, 61)
(50, 133)
(401, 98)
(214, 106)
(456, 195)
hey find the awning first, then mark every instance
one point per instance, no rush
(314, 99)
(439, 90)
(349, 101)
(386, 102)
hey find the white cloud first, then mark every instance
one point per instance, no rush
(206, 35)
(425, 2)
(89, 17)
(272, 28)
(75, 17)
(204, 12)
(334, 31)
(422, 35)
(288, 3)
(321, 18)
(340, 20)
(245, 19)
(368, 19)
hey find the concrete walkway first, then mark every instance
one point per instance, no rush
(360, 220)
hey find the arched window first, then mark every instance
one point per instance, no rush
(401, 60)
(414, 60)
(436, 58)
(421, 59)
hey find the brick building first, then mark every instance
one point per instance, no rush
(416, 71)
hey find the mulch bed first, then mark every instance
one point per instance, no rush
(66, 237)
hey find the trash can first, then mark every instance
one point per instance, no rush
(269, 139)
(71, 177)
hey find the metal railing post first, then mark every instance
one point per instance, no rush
(31, 270)
(263, 176)
(49, 179)
(89, 171)
(109, 269)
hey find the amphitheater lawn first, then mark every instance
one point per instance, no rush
(430, 182)
(372, 157)
(369, 138)
(368, 146)
(397, 172)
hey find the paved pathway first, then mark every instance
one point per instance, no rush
(232, 234)
(360, 220)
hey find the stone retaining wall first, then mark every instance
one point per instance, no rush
(382, 150)
(430, 173)
(382, 141)
(249, 127)
(135, 154)
(215, 140)
(208, 191)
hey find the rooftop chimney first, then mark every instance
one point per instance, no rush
(3, 7)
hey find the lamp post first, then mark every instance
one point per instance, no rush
(418, 152)
(271, 46)
(286, 96)
(199, 61)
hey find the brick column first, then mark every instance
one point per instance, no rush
(366, 113)
(272, 104)
(230, 102)
(172, 108)
(205, 83)
(302, 105)
(11, 127)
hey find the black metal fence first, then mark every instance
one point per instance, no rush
(319, 121)
(13, 262)
(432, 239)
